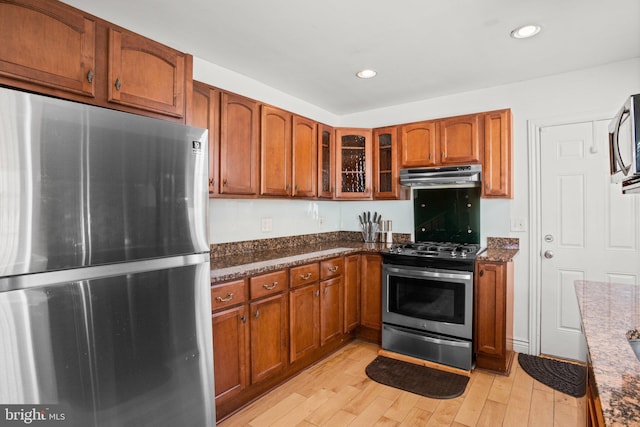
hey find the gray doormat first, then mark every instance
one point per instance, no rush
(569, 378)
(416, 379)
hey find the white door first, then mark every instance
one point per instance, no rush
(589, 230)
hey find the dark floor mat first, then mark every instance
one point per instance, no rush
(416, 379)
(569, 378)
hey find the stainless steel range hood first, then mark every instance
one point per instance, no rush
(442, 177)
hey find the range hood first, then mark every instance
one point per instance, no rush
(445, 176)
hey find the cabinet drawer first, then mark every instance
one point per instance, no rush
(227, 294)
(331, 268)
(304, 274)
(267, 284)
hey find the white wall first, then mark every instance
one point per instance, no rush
(588, 94)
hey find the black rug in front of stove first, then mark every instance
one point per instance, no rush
(416, 379)
(568, 378)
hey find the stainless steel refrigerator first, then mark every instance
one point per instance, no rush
(105, 315)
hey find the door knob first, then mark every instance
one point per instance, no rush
(548, 254)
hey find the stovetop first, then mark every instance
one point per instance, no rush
(446, 255)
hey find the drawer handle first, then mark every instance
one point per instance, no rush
(269, 287)
(333, 269)
(306, 276)
(228, 298)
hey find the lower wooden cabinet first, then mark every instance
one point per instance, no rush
(331, 309)
(230, 352)
(268, 322)
(594, 408)
(493, 311)
(371, 297)
(351, 292)
(304, 321)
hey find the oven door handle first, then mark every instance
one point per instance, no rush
(419, 336)
(429, 273)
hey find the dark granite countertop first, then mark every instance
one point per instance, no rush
(257, 262)
(498, 255)
(500, 249)
(608, 311)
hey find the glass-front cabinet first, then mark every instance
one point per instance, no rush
(353, 164)
(385, 163)
(326, 162)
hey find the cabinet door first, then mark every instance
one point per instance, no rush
(48, 43)
(268, 337)
(205, 113)
(305, 157)
(497, 163)
(238, 145)
(145, 74)
(386, 184)
(460, 140)
(490, 309)
(353, 163)
(304, 321)
(275, 150)
(326, 162)
(371, 296)
(331, 309)
(230, 352)
(418, 144)
(351, 292)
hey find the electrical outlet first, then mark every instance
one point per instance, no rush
(518, 224)
(266, 225)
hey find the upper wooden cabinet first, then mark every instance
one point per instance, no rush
(353, 164)
(386, 183)
(326, 161)
(459, 140)
(205, 113)
(305, 158)
(418, 144)
(51, 48)
(275, 152)
(49, 44)
(497, 176)
(144, 74)
(239, 125)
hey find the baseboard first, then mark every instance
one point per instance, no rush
(521, 346)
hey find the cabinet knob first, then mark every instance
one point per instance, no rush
(90, 76)
(118, 83)
(211, 182)
(481, 273)
(326, 290)
(244, 319)
(317, 293)
(225, 182)
(257, 313)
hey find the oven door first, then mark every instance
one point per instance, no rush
(427, 299)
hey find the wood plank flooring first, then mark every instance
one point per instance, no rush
(337, 392)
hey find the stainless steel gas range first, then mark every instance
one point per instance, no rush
(427, 286)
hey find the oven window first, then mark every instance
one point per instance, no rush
(427, 299)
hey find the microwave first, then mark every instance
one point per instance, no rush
(624, 142)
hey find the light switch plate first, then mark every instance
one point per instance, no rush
(266, 225)
(518, 224)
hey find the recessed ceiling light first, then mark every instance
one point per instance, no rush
(525, 31)
(366, 74)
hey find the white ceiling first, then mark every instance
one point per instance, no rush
(421, 48)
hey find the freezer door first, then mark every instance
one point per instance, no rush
(130, 349)
(82, 185)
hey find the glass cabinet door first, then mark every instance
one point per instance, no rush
(326, 162)
(385, 164)
(353, 160)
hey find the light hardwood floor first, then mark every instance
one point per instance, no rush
(337, 392)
